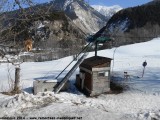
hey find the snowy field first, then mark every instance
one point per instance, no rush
(139, 101)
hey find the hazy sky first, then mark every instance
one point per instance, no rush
(122, 3)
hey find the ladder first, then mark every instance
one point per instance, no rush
(68, 75)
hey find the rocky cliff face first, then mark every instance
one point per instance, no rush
(53, 32)
(84, 16)
(56, 30)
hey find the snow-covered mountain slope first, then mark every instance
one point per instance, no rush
(107, 11)
(84, 16)
(139, 101)
(138, 21)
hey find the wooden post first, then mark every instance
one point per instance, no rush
(17, 80)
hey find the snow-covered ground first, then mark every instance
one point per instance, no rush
(139, 101)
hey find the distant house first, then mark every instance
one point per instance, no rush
(94, 76)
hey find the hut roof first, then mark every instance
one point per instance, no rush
(95, 61)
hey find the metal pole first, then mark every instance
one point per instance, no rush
(144, 65)
(96, 43)
(143, 72)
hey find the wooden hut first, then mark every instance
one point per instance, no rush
(94, 76)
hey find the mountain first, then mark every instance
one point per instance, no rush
(60, 26)
(108, 12)
(83, 15)
(135, 24)
(52, 32)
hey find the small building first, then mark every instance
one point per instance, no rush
(94, 76)
(47, 85)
